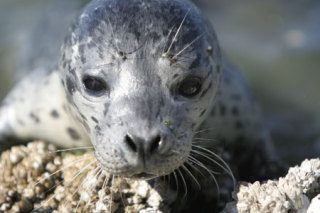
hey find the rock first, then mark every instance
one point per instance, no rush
(37, 178)
(291, 193)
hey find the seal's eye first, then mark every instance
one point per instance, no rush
(94, 85)
(190, 87)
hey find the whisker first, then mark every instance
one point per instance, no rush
(72, 149)
(190, 163)
(192, 176)
(111, 193)
(226, 166)
(212, 160)
(211, 173)
(167, 39)
(113, 35)
(198, 163)
(178, 31)
(75, 176)
(63, 168)
(184, 183)
(206, 139)
(81, 185)
(106, 179)
(98, 171)
(176, 180)
(187, 46)
(203, 130)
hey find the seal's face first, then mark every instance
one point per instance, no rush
(140, 76)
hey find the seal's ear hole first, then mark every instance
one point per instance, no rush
(190, 86)
(94, 85)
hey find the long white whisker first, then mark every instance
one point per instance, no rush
(204, 130)
(210, 173)
(228, 170)
(184, 183)
(176, 180)
(187, 46)
(178, 31)
(198, 163)
(113, 35)
(72, 149)
(167, 40)
(81, 184)
(212, 160)
(106, 179)
(192, 176)
(205, 139)
(98, 171)
(74, 177)
(111, 193)
(190, 162)
(63, 168)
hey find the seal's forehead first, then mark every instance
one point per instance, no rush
(112, 31)
(140, 17)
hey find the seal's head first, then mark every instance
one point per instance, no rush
(140, 75)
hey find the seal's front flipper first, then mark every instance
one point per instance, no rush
(37, 109)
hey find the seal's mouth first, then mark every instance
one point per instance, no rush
(143, 175)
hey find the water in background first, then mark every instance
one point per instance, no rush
(275, 43)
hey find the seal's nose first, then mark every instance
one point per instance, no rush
(144, 148)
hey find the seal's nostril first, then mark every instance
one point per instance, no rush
(155, 144)
(131, 144)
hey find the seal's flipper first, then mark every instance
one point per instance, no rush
(37, 109)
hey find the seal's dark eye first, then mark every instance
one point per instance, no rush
(190, 87)
(95, 85)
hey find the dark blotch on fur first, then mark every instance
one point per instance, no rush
(106, 108)
(239, 125)
(223, 109)
(98, 128)
(95, 120)
(54, 113)
(73, 134)
(83, 117)
(235, 111)
(203, 112)
(213, 111)
(34, 118)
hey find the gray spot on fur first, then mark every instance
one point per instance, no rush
(54, 113)
(223, 109)
(203, 112)
(73, 134)
(94, 119)
(34, 117)
(235, 111)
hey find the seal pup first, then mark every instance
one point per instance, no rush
(143, 81)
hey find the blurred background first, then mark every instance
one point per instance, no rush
(275, 43)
